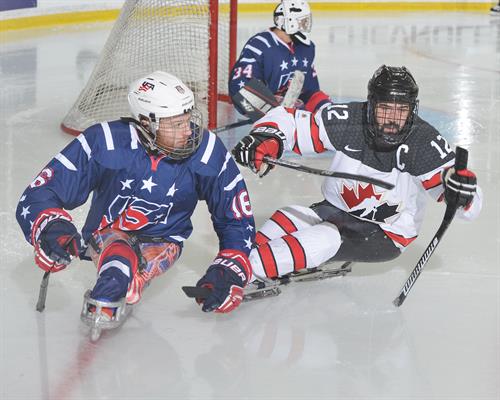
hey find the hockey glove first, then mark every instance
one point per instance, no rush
(262, 141)
(227, 276)
(459, 186)
(55, 240)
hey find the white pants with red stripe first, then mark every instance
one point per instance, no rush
(292, 239)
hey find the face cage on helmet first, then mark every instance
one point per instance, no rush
(175, 153)
(387, 141)
(305, 23)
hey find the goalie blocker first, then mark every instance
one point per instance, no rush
(254, 99)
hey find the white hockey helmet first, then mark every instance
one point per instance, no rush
(162, 95)
(295, 18)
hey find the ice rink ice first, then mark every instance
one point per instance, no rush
(335, 339)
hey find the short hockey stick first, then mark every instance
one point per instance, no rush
(42, 294)
(44, 284)
(323, 172)
(461, 156)
(197, 292)
(289, 100)
(272, 288)
(236, 124)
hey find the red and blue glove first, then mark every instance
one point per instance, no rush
(459, 187)
(263, 140)
(226, 277)
(55, 240)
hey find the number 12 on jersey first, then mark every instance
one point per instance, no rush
(339, 114)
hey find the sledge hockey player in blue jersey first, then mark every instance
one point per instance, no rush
(146, 175)
(382, 138)
(271, 58)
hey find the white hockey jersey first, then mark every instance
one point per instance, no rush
(414, 168)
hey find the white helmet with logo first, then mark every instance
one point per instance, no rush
(294, 17)
(162, 95)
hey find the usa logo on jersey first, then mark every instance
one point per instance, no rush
(134, 213)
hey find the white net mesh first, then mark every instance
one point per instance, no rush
(151, 35)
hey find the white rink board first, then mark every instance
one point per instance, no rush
(45, 7)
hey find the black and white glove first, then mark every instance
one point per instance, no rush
(263, 140)
(226, 277)
(459, 186)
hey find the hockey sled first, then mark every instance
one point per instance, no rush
(97, 320)
(269, 288)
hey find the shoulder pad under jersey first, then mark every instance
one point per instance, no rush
(210, 157)
(255, 47)
(426, 149)
(112, 144)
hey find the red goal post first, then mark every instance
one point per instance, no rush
(194, 40)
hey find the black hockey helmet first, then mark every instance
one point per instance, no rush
(394, 86)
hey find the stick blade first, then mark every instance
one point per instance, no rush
(42, 294)
(461, 158)
(196, 292)
(399, 300)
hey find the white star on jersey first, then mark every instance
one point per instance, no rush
(284, 65)
(23, 197)
(126, 184)
(25, 212)
(241, 84)
(172, 190)
(148, 184)
(294, 61)
(305, 62)
(248, 243)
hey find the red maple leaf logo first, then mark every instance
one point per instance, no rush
(355, 196)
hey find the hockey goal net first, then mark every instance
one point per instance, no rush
(194, 40)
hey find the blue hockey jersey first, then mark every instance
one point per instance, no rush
(133, 191)
(267, 58)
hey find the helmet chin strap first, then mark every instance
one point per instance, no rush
(153, 125)
(146, 135)
(302, 37)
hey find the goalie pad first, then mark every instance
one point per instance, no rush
(294, 89)
(254, 99)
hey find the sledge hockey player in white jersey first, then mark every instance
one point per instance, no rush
(384, 138)
(146, 175)
(271, 58)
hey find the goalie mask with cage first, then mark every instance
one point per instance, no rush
(392, 107)
(294, 17)
(164, 110)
